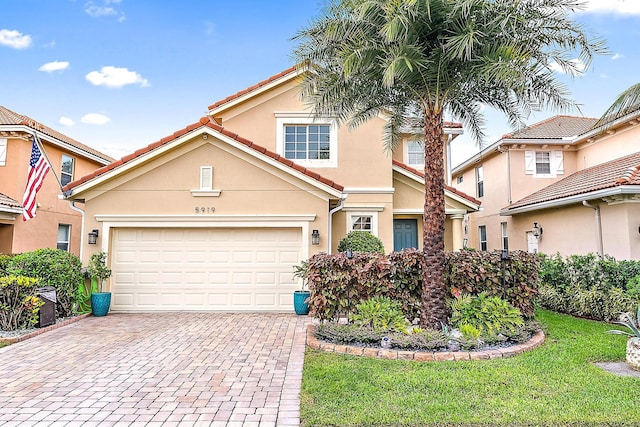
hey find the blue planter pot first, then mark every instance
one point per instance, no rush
(300, 302)
(100, 303)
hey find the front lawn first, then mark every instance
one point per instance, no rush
(556, 384)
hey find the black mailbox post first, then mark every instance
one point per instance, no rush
(47, 313)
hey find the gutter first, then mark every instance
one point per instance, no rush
(596, 210)
(73, 207)
(331, 212)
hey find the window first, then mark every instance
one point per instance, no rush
(482, 231)
(505, 237)
(66, 174)
(206, 177)
(307, 142)
(479, 182)
(415, 153)
(544, 164)
(460, 179)
(361, 223)
(3, 151)
(64, 230)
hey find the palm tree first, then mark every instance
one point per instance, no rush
(627, 102)
(425, 58)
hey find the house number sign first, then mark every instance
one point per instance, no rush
(204, 209)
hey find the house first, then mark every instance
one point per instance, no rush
(214, 216)
(57, 224)
(561, 185)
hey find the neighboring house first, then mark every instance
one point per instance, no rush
(206, 219)
(576, 183)
(56, 224)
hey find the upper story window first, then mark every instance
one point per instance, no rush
(66, 173)
(3, 151)
(64, 231)
(460, 179)
(479, 182)
(306, 141)
(415, 153)
(206, 177)
(544, 164)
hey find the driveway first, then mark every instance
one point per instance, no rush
(201, 369)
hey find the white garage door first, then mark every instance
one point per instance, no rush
(204, 269)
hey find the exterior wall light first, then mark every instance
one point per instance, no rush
(315, 237)
(93, 237)
(536, 230)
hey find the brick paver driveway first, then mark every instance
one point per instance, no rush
(157, 369)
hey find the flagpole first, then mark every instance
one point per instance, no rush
(44, 153)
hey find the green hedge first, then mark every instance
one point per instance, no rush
(589, 286)
(338, 284)
(361, 241)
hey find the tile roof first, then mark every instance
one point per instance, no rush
(204, 122)
(9, 202)
(447, 187)
(622, 171)
(554, 128)
(8, 117)
(252, 88)
(413, 124)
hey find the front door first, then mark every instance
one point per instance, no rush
(405, 234)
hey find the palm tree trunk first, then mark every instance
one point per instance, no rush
(433, 311)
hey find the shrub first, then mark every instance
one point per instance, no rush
(361, 241)
(633, 287)
(381, 314)
(4, 263)
(53, 267)
(488, 314)
(19, 303)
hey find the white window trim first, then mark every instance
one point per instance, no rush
(295, 119)
(3, 151)
(371, 213)
(486, 240)
(73, 166)
(68, 241)
(205, 191)
(406, 155)
(556, 163)
(203, 174)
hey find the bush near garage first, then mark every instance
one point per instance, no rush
(361, 241)
(589, 286)
(19, 302)
(338, 284)
(53, 267)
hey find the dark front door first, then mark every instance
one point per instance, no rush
(405, 234)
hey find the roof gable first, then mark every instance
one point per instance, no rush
(11, 118)
(624, 171)
(556, 127)
(204, 125)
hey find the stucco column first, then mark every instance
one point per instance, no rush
(456, 231)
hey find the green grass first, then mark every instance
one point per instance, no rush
(3, 344)
(556, 384)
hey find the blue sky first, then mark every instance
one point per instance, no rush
(120, 74)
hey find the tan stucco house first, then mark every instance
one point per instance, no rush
(561, 185)
(214, 216)
(56, 224)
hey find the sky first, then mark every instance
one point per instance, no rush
(118, 75)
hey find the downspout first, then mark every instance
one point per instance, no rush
(331, 212)
(448, 151)
(509, 175)
(73, 207)
(596, 210)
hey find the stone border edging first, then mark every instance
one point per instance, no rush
(13, 340)
(536, 340)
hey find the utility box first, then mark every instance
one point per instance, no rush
(47, 313)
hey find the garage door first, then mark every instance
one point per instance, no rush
(204, 269)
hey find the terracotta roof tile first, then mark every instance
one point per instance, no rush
(251, 88)
(448, 187)
(554, 128)
(622, 171)
(9, 202)
(203, 122)
(8, 117)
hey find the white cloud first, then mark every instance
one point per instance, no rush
(66, 121)
(14, 39)
(54, 66)
(617, 56)
(622, 7)
(104, 8)
(604, 76)
(115, 77)
(95, 119)
(578, 64)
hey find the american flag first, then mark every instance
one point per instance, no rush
(38, 168)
